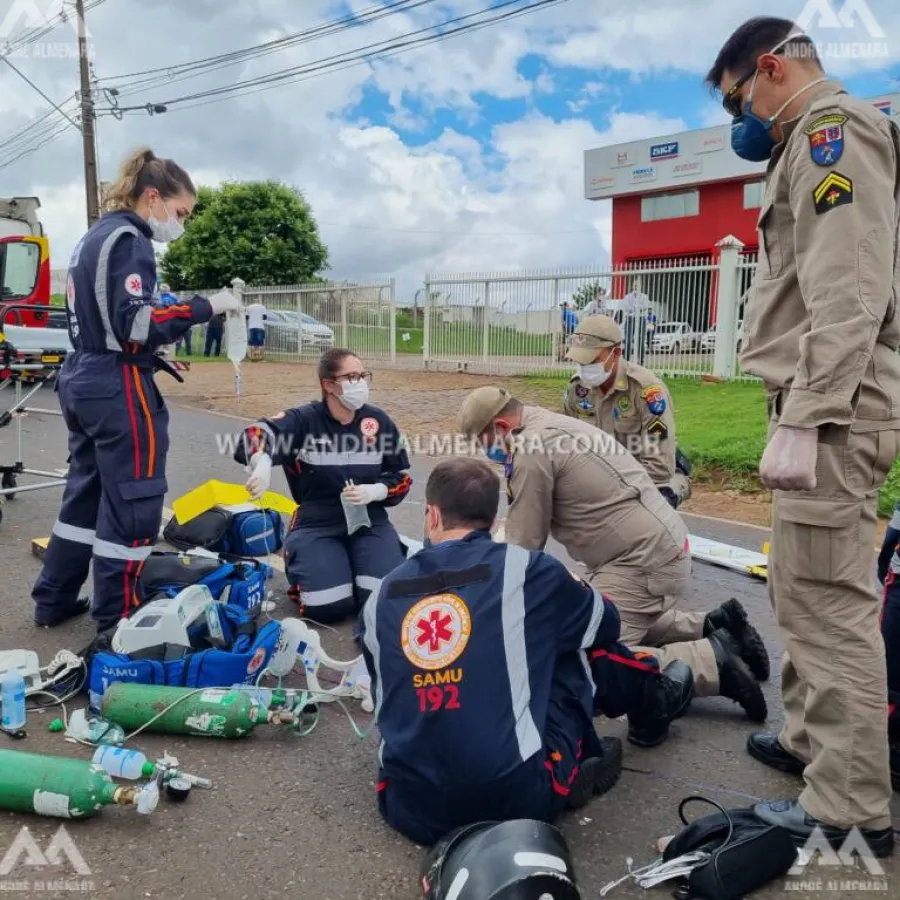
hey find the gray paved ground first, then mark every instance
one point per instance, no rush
(294, 817)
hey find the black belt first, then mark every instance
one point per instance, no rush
(149, 362)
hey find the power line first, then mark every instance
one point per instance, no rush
(131, 83)
(35, 34)
(340, 61)
(31, 84)
(50, 138)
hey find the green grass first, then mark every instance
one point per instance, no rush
(721, 427)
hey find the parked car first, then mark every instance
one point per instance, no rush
(287, 329)
(708, 341)
(673, 337)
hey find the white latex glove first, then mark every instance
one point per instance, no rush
(789, 460)
(363, 494)
(500, 533)
(261, 477)
(224, 302)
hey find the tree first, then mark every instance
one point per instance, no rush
(261, 231)
(586, 293)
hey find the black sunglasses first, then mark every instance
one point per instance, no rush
(730, 99)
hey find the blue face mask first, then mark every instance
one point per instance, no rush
(751, 137)
(497, 454)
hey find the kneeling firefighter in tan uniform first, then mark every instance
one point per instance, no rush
(567, 478)
(627, 401)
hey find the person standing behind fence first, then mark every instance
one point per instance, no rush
(214, 334)
(822, 332)
(117, 419)
(256, 330)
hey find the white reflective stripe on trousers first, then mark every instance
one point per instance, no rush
(590, 636)
(108, 550)
(516, 651)
(74, 533)
(328, 595)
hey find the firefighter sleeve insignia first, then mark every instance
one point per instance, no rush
(655, 399)
(134, 285)
(826, 139)
(658, 429)
(833, 190)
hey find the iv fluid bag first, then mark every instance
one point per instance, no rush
(236, 337)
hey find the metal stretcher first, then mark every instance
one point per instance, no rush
(30, 358)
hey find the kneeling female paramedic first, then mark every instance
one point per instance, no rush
(116, 417)
(339, 455)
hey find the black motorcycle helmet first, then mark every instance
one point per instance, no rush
(519, 860)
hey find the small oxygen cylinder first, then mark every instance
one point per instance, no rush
(64, 788)
(212, 712)
(12, 698)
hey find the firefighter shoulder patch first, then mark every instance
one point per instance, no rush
(832, 191)
(655, 399)
(826, 139)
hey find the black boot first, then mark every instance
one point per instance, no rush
(768, 750)
(791, 816)
(597, 774)
(57, 618)
(666, 697)
(733, 618)
(736, 681)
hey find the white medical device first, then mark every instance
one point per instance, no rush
(163, 621)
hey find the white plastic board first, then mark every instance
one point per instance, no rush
(735, 558)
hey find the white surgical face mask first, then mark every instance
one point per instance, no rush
(595, 375)
(354, 396)
(168, 231)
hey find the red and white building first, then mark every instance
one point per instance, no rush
(677, 195)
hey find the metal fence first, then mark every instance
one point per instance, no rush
(670, 312)
(304, 319)
(679, 317)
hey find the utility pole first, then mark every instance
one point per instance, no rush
(91, 182)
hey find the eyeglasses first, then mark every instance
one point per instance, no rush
(731, 100)
(354, 378)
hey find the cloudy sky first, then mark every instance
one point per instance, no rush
(463, 154)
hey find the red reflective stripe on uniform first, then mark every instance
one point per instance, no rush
(613, 657)
(892, 708)
(151, 433)
(177, 311)
(126, 599)
(401, 488)
(136, 444)
(381, 786)
(560, 789)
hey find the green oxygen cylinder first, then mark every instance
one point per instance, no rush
(211, 712)
(64, 788)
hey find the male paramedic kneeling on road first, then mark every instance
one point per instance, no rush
(488, 664)
(117, 420)
(822, 332)
(627, 401)
(338, 447)
(568, 478)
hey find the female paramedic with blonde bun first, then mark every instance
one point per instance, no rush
(117, 419)
(345, 464)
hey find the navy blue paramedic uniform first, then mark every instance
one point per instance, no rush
(117, 420)
(331, 573)
(889, 575)
(488, 664)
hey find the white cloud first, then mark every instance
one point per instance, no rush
(386, 208)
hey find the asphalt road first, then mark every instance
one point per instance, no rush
(294, 817)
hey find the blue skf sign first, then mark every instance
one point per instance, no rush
(664, 151)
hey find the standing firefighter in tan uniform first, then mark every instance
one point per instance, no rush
(569, 479)
(822, 332)
(627, 401)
